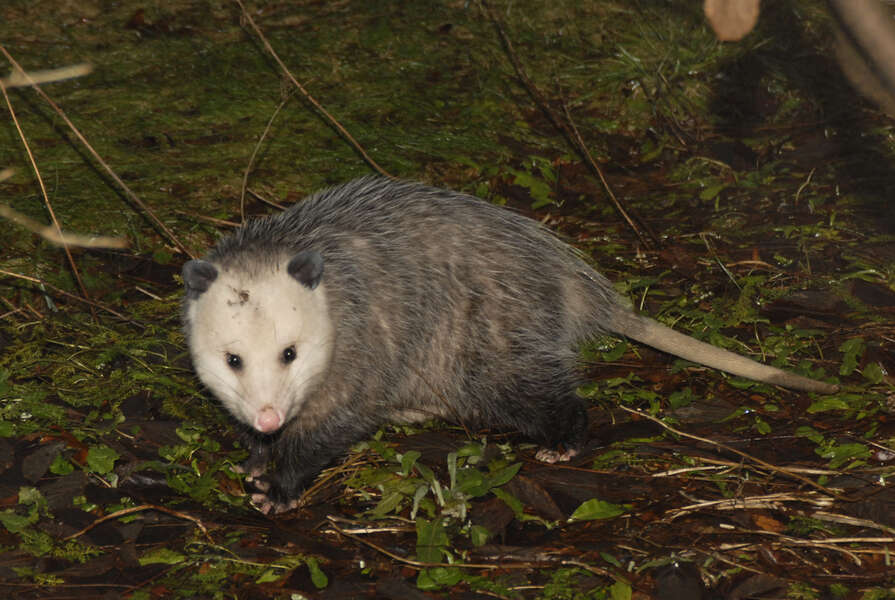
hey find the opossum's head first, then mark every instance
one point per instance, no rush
(260, 340)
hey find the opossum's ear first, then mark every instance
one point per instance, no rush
(307, 268)
(198, 275)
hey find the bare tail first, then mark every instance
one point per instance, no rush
(653, 333)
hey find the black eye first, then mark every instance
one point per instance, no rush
(234, 361)
(289, 354)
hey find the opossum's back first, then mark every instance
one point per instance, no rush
(384, 210)
(401, 231)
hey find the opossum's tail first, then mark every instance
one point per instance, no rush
(653, 333)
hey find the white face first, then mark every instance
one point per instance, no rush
(259, 342)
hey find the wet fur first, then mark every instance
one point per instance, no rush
(440, 304)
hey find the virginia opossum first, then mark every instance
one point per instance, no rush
(380, 301)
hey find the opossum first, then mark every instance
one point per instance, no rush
(382, 301)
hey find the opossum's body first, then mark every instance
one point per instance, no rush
(382, 301)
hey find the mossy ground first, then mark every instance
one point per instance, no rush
(764, 178)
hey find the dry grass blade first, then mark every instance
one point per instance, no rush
(56, 228)
(19, 78)
(55, 236)
(124, 188)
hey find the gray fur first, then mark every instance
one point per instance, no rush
(442, 305)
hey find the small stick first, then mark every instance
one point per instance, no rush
(582, 148)
(142, 507)
(245, 177)
(568, 131)
(341, 130)
(62, 292)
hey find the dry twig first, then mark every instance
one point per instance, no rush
(245, 177)
(319, 107)
(566, 128)
(62, 292)
(142, 507)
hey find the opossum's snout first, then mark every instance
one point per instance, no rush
(268, 420)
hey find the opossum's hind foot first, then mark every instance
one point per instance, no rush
(561, 430)
(551, 456)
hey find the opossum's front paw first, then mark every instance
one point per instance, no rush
(266, 505)
(256, 464)
(268, 497)
(251, 472)
(551, 456)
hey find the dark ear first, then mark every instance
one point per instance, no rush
(307, 268)
(198, 275)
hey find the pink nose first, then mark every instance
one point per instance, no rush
(268, 420)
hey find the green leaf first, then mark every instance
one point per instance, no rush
(407, 461)
(762, 426)
(318, 577)
(425, 582)
(61, 465)
(452, 468)
(540, 192)
(616, 352)
(269, 575)
(162, 556)
(438, 577)
(873, 373)
(479, 535)
(825, 404)
(620, 591)
(390, 501)
(14, 523)
(470, 449)
(843, 453)
(598, 509)
(711, 192)
(500, 477)
(852, 350)
(510, 500)
(472, 483)
(610, 559)
(809, 433)
(681, 398)
(431, 539)
(101, 459)
(418, 495)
